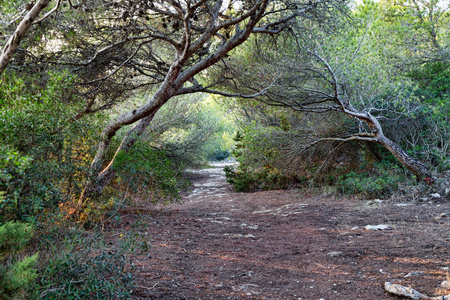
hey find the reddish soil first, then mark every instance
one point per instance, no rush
(218, 244)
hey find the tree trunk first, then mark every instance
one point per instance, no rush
(412, 164)
(95, 186)
(98, 178)
(14, 41)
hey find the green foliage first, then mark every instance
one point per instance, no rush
(259, 161)
(16, 182)
(43, 153)
(87, 268)
(14, 236)
(17, 276)
(9, 6)
(382, 180)
(20, 278)
(219, 154)
(191, 131)
(244, 180)
(149, 172)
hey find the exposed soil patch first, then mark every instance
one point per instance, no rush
(219, 244)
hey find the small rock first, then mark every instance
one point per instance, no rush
(254, 227)
(245, 287)
(435, 195)
(233, 235)
(248, 274)
(445, 284)
(334, 254)
(251, 236)
(443, 216)
(378, 227)
(403, 204)
(372, 202)
(355, 228)
(415, 273)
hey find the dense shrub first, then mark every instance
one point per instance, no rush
(249, 181)
(17, 275)
(44, 157)
(44, 153)
(86, 267)
(150, 173)
(380, 181)
(273, 158)
(219, 155)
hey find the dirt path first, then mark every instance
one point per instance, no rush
(219, 244)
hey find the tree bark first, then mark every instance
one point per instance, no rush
(95, 186)
(412, 164)
(415, 166)
(14, 41)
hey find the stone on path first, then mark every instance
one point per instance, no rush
(378, 227)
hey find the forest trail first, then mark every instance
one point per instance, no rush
(218, 244)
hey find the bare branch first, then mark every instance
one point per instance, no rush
(121, 65)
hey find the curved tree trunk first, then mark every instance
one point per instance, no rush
(14, 41)
(415, 166)
(95, 186)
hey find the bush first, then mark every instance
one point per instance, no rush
(149, 172)
(87, 268)
(43, 154)
(17, 276)
(244, 180)
(219, 155)
(383, 180)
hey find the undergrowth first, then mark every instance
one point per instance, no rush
(86, 266)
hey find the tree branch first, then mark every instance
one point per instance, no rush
(58, 3)
(14, 41)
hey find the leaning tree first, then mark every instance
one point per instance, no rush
(325, 73)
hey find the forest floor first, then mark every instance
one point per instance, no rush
(218, 244)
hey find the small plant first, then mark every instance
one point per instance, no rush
(17, 276)
(87, 268)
